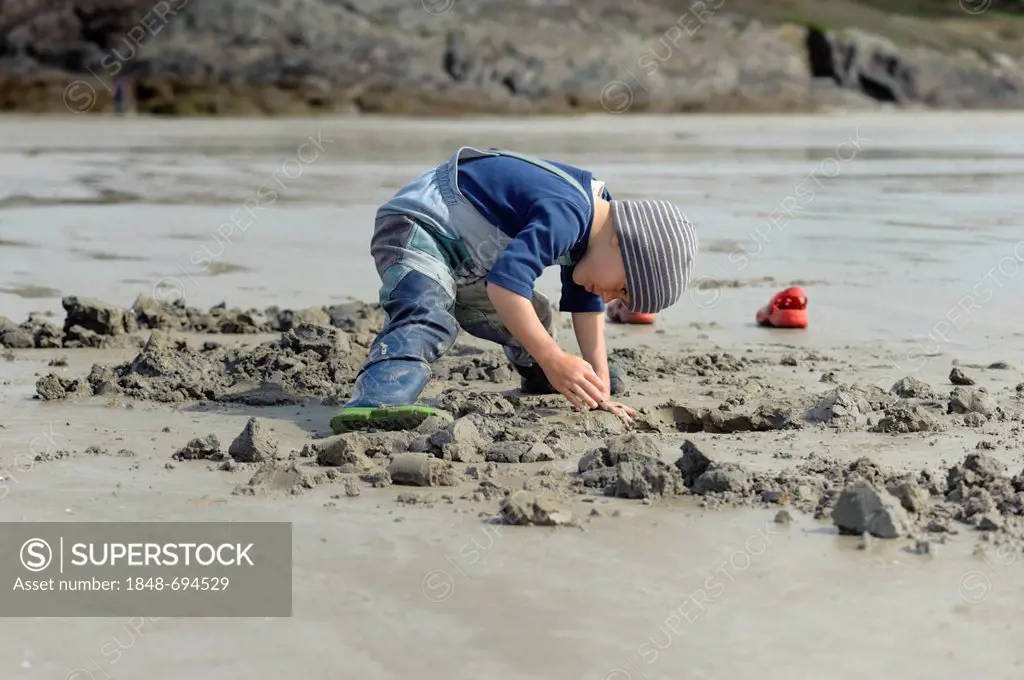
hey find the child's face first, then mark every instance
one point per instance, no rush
(602, 272)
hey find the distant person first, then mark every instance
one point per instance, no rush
(119, 96)
(462, 246)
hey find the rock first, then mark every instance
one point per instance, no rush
(958, 377)
(971, 400)
(525, 508)
(1000, 366)
(863, 508)
(492, 57)
(912, 75)
(255, 444)
(783, 517)
(421, 469)
(207, 448)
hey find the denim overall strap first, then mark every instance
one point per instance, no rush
(483, 242)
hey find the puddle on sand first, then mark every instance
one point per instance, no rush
(107, 257)
(217, 268)
(105, 197)
(10, 243)
(30, 291)
(186, 237)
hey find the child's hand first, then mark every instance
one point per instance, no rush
(576, 380)
(621, 410)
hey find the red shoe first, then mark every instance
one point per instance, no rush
(788, 309)
(618, 313)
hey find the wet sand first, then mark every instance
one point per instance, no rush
(385, 589)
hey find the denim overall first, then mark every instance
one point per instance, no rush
(432, 249)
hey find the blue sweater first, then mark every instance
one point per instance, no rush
(547, 218)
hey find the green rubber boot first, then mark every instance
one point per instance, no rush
(388, 418)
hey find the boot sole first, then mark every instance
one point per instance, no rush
(389, 418)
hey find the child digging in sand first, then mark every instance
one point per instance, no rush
(462, 245)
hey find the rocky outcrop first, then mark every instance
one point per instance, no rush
(461, 57)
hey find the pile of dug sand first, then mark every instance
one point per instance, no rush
(94, 323)
(490, 430)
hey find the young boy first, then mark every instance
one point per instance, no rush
(462, 245)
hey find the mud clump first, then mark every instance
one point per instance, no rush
(912, 388)
(904, 418)
(291, 479)
(525, 508)
(89, 318)
(972, 400)
(52, 387)
(683, 418)
(306, 361)
(421, 469)
(645, 365)
(349, 450)
(34, 333)
(519, 452)
(460, 441)
(360, 320)
(979, 487)
(288, 319)
(958, 377)
(692, 463)
(255, 444)
(911, 496)
(460, 403)
(630, 466)
(94, 323)
(491, 367)
(14, 336)
(353, 451)
(704, 476)
(207, 448)
(723, 478)
(863, 508)
(842, 408)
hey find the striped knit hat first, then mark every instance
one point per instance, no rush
(659, 246)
